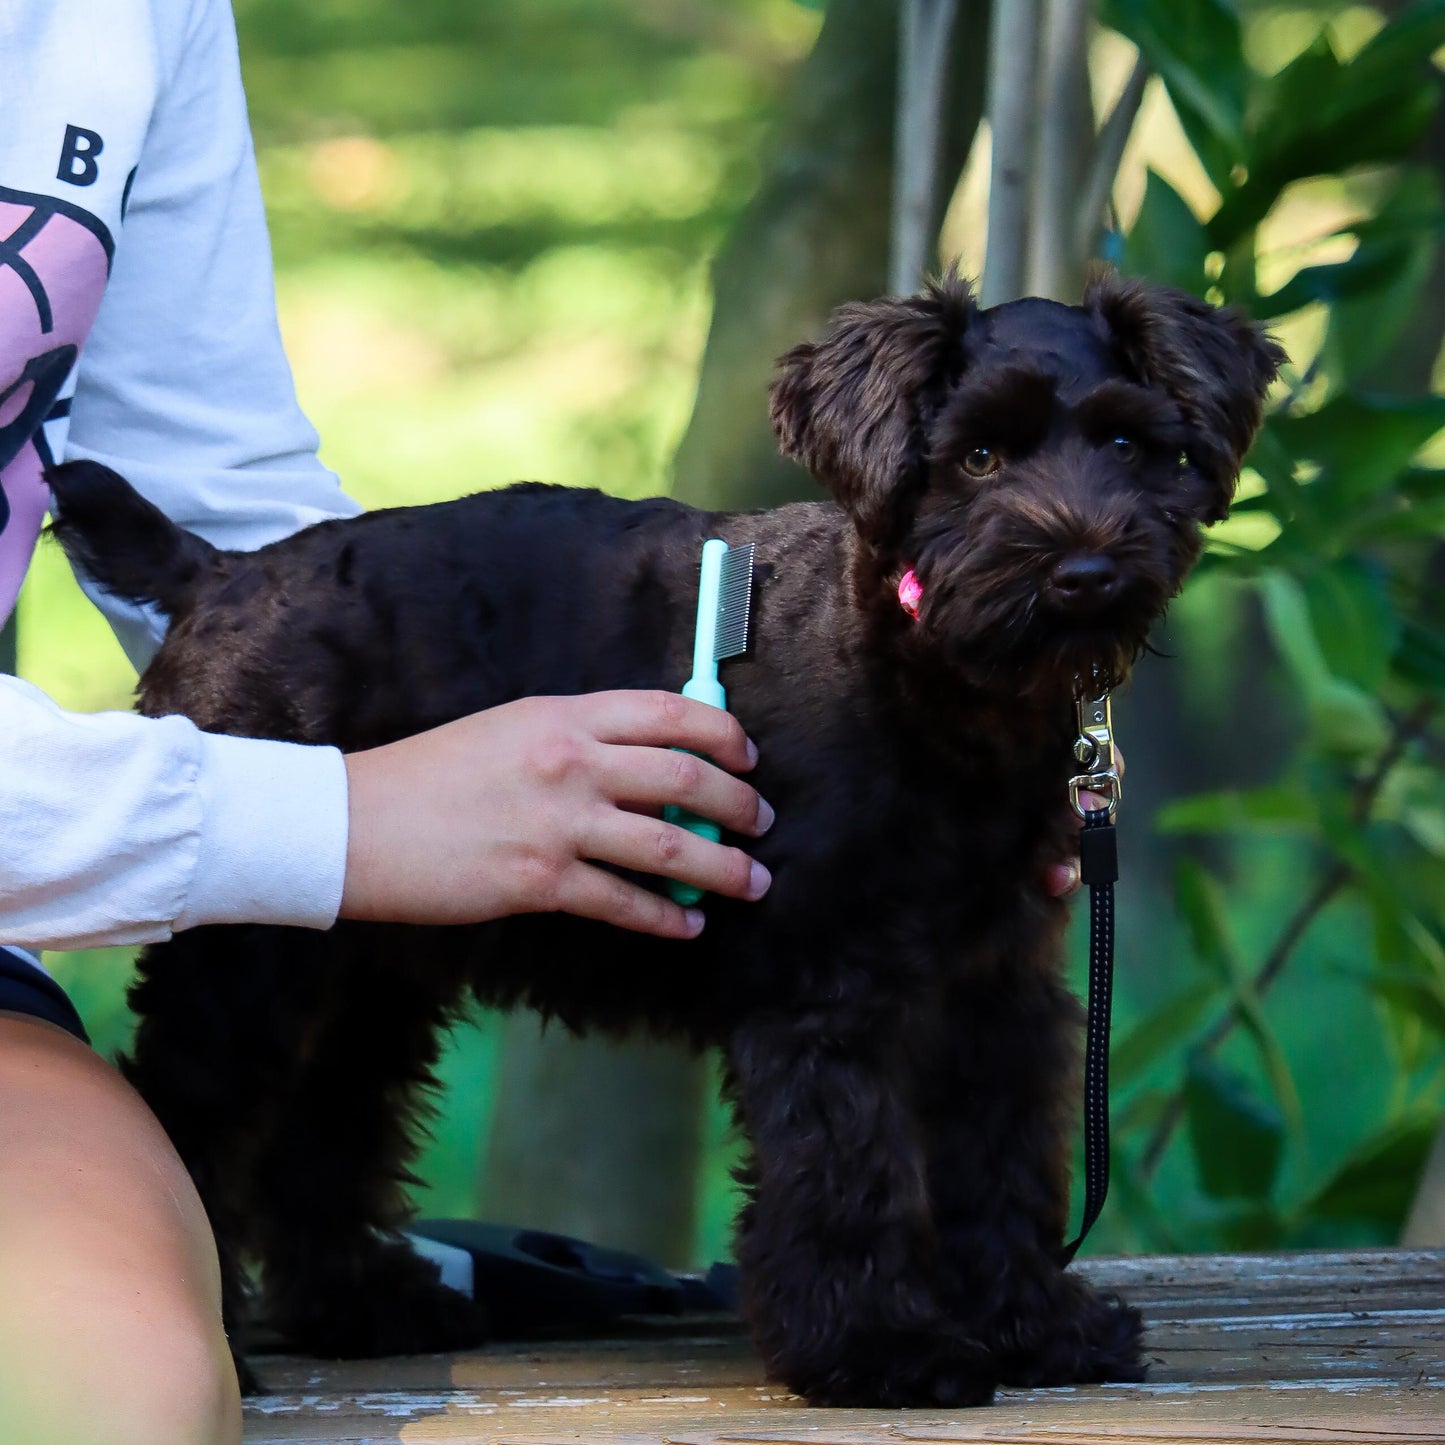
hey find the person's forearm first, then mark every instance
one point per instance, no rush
(117, 829)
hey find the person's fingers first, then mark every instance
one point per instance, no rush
(1060, 879)
(650, 845)
(1090, 803)
(654, 777)
(589, 892)
(669, 720)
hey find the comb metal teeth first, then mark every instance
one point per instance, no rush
(735, 598)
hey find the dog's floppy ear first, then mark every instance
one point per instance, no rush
(853, 407)
(1216, 363)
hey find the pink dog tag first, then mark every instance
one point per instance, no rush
(910, 592)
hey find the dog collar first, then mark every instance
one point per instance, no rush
(910, 593)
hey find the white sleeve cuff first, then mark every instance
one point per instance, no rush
(273, 834)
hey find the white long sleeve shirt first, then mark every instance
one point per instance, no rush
(132, 235)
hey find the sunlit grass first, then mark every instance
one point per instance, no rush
(428, 382)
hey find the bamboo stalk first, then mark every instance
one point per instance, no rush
(1012, 103)
(1098, 184)
(923, 52)
(1063, 138)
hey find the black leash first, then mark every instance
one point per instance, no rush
(1098, 871)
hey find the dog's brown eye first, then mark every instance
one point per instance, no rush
(1126, 449)
(981, 462)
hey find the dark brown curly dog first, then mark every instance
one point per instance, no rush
(901, 1051)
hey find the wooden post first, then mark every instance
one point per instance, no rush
(597, 1139)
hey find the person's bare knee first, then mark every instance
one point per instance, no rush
(112, 1374)
(110, 1308)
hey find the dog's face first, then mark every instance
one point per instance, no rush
(1044, 470)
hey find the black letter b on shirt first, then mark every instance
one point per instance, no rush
(77, 156)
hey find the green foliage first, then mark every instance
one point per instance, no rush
(1342, 578)
(1237, 1138)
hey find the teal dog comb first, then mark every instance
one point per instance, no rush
(724, 605)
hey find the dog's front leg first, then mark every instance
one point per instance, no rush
(999, 1106)
(835, 1243)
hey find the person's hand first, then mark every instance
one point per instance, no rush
(1060, 879)
(507, 811)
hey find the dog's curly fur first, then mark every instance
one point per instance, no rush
(901, 1051)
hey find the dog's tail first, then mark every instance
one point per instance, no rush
(119, 540)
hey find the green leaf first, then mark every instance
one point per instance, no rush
(1420, 657)
(1237, 1139)
(1142, 1112)
(1153, 1036)
(1319, 117)
(1361, 444)
(1423, 484)
(1197, 47)
(1403, 237)
(1344, 717)
(1406, 41)
(1402, 520)
(1356, 625)
(1282, 807)
(1369, 269)
(1140, 1203)
(1419, 996)
(1289, 501)
(1377, 1182)
(1271, 1054)
(1248, 1229)
(1201, 905)
(1167, 242)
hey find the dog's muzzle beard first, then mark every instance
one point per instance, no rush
(993, 601)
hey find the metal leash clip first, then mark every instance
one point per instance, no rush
(1094, 752)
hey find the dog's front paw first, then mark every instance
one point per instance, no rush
(385, 1301)
(1099, 1340)
(895, 1372)
(1115, 1335)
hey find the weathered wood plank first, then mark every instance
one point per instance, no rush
(1309, 1348)
(1359, 1411)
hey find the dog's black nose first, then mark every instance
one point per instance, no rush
(1084, 581)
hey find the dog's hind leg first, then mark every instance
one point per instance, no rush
(998, 1105)
(835, 1242)
(331, 1184)
(222, 1014)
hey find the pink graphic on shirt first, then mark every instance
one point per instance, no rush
(54, 263)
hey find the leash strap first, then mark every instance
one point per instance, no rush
(1098, 870)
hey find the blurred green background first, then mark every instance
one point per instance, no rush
(493, 227)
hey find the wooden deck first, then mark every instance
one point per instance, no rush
(1308, 1348)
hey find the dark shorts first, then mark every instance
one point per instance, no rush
(26, 988)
